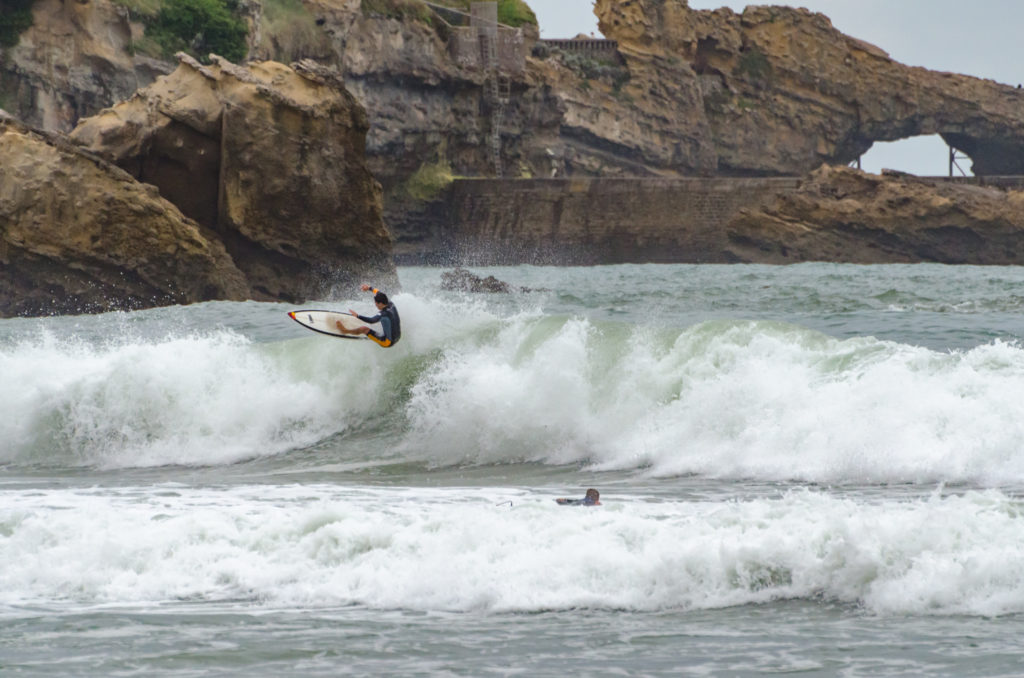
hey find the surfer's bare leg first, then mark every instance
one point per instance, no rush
(359, 330)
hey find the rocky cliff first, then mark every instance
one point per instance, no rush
(80, 235)
(271, 158)
(215, 182)
(76, 58)
(834, 214)
(845, 215)
(782, 91)
(771, 91)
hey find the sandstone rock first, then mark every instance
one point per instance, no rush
(783, 91)
(771, 91)
(79, 235)
(845, 215)
(271, 158)
(76, 58)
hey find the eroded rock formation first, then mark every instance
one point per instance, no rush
(782, 91)
(80, 235)
(771, 91)
(845, 215)
(271, 158)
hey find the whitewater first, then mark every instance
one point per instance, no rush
(815, 468)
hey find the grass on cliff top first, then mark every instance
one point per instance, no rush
(513, 13)
(290, 31)
(15, 19)
(141, 10)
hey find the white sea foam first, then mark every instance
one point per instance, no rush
(188, 400)
(323, 546)
(125, 399)
(728, 399)
(722, 399)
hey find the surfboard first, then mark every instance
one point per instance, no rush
(325, 322)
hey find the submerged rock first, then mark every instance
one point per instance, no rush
(463, 280)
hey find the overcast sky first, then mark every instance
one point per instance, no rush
(976, 37)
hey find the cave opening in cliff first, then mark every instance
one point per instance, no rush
(925, 155)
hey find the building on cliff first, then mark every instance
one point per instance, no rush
(479, 42)
(499, 51)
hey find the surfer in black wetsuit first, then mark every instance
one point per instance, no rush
(387, 316)
(592, 498)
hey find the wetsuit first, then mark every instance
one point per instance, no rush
(390, 325)
(586, 501)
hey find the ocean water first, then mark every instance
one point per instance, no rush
(814, 469)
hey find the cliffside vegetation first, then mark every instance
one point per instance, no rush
(196, 27)
(290, 32)
(15, 18)
(513, 13)
(427, 182)
(200, 27)
(397, 9)
(754, 66)
(596, 68)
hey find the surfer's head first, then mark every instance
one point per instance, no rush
(381, 298)
(593, 496)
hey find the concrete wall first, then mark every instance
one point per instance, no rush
(589, 221)
(466, 48)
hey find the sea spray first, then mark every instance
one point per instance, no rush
(200, 399)
(720, 398)
(726, 399)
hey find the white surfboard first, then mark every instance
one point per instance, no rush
(325, 322)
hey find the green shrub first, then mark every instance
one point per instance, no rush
(429, 180)
(199, 27)
(755, 66)
(592, 68)
(515, 13)
(15, 18)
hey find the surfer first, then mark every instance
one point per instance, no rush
(387, 316)
(592, 498)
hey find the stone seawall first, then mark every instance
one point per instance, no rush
(597, 221)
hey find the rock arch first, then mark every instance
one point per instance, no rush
(782, 91)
